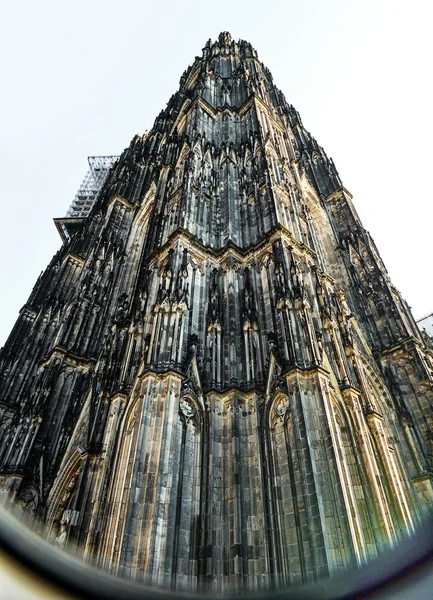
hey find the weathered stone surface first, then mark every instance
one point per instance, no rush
(214, 385)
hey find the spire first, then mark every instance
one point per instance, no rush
(224, 39)
(214, 384)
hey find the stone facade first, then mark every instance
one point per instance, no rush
(214, 385)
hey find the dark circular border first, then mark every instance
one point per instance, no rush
(400, 571)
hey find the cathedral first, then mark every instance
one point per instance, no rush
(214, 385)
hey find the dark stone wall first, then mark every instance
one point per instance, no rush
(214, 385)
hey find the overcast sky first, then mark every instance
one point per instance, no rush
(81, 78)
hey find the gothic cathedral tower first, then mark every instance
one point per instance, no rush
(214, 384)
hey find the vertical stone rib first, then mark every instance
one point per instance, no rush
(190, 367)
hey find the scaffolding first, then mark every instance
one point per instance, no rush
(426, 324)
(82, 204)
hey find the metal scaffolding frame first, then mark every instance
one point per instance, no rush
(84, 200)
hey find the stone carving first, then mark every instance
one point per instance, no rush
(282, 408)
(28, 499)
(224, 253)
(186, 409)
(122, 307)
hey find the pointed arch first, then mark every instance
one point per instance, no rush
(138, 236)
(291, 495)
(208, 157)
(183, 155)
(248, 157)
(359, 513)
(257, 150)
(179, 168)
(223, 158)
(146, 204)
(60, 500)
(197, 149)
(383, 432)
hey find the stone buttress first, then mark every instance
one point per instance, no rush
(214, 385)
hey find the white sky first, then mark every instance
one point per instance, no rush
(81, 78)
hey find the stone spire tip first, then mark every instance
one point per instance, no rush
(224, 38)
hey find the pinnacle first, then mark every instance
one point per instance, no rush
(225, 38)
(203, 273)
(225, 43)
